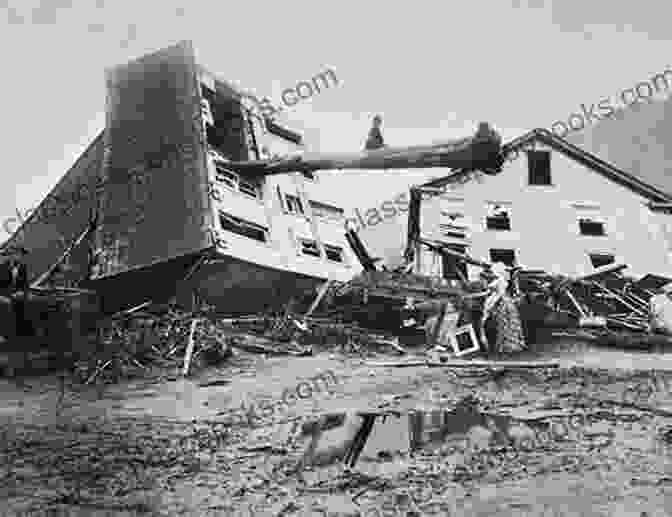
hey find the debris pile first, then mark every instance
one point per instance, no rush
(134, 341)
(606, 305)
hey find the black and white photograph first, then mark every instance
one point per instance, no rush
(336, 259)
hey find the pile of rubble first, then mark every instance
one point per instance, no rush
(606, 305)
(371, 312)
(392, 311)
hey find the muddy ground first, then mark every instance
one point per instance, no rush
(168, 446)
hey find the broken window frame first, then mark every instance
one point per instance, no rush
(326, 211)
(238, 226)
(602, 259)
(236, 183)
(499, 218)
(249, 188)
(223, 134)
(227, 178)
(293, 205)
(538, 176)
(333, 250)
(309, 247)
(450, 265)
(498, 251)
(453, 223)
(594, 222)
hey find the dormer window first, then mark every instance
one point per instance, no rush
(539, 168)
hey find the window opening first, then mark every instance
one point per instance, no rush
(333, 253)
(506, 256)
(539, 167)
(239, 226)
(309, 247)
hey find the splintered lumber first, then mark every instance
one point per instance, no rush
(602, 271)
(630, 306)
(467, 364)
(442, 248)
(242, 342)
(98, 370)
(323, 290)
(637, 299)
(576, 304)
(190, 348)
(44, 276)
(629, 325)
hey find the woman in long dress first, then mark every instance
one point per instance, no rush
(502, 308)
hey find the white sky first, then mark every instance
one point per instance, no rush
(432, 69)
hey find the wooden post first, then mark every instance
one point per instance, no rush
(190, 348)
(323, 290)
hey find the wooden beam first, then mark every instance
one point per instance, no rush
(190, 348)
(62, 258)
(468, 364)
(604, 270)
(323, 290)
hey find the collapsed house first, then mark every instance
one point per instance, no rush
(190, 194)
(179, 196)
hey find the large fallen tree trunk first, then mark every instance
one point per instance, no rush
(481, 151)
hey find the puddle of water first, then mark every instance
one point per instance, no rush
(392, 438)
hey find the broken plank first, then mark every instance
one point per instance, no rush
(576, 304)
(621, 300)
(190, 348)
(323, 290)
(602, 271)
(468, 364)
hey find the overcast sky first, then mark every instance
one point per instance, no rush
(432, 69)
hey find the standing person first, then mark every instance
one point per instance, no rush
(375, 139)
(660, 306)
(20, 287)
(7, 317)
(13, 291)
(501, 306)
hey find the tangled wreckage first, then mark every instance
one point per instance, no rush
(198, 208)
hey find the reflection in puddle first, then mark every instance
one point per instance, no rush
(379, 437)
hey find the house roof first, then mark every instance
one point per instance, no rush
(635, 138)
(590, 161)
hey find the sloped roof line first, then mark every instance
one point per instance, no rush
(98, 140)
(591, 161)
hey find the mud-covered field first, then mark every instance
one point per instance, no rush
(594, 443)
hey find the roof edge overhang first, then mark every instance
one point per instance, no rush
(590, 161)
